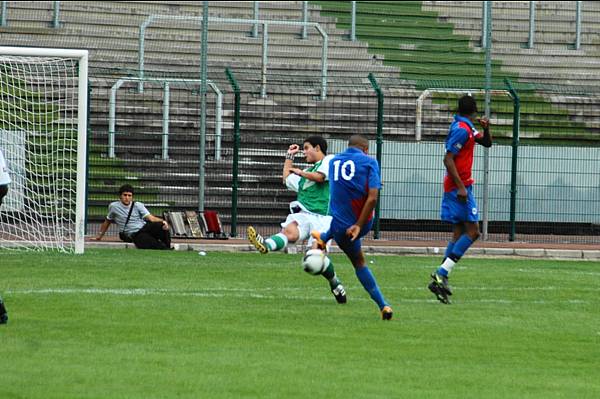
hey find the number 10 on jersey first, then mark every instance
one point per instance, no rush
(347, 170)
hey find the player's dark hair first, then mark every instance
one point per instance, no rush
(318, 141)
(467, 105)
(125, 188)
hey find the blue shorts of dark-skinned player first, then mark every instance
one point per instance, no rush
(338, 233)
(455, 211)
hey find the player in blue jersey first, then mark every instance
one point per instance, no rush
(458, 204)
(354, 185)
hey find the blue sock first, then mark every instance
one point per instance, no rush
(367, 280)
(441, 271)
(460, 247)
(449, 249)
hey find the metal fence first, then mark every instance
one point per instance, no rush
(429, 50)
(554, 188)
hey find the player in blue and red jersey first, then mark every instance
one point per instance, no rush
(458, 204)
(354, 185)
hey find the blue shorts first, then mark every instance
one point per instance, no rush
(453, 211)
(350, 248)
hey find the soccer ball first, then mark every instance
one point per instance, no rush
(315, 261)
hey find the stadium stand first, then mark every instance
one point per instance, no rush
(94, 25)
(405, 44)
(553, 59)
(439, 43)
(172, 51)
(442, 39)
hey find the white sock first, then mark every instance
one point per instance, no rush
(448, 265)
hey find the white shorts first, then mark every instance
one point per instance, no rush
(306, 223)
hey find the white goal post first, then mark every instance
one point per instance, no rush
(43, 133)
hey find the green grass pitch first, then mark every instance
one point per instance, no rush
(144, 324)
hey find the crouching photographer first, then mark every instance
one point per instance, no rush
(136, 224)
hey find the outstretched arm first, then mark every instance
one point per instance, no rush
(366, 212)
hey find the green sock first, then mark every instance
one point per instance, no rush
(329, 274)
(276, 242)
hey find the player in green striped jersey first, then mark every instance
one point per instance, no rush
(309, 211)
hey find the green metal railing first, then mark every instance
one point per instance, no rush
(265, 43)
(236, 151)
(542, 168)
(514, 163)
(410, 203)
(542, 179)
(380, 111)
(166, 84)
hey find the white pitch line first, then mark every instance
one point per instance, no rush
(166, 291)
(561, 271)
(247, 293)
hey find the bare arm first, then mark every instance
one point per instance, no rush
(103, 228)
(152, 218)
(314, 176)
(288, 165)
(453, 172)
(366, 212)
(287, 169)
(486, 140)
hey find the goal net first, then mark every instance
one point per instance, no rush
(43, 124)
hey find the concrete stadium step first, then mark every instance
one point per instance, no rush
(74, 14)
(519, 37)
(252, 164)
(179, 39)
(126, 138)
(251, 48)
(553, 62)
(287, 9)
(555, 32)
(471, 8)
(107, 191)
(520, 22)
(166, 29)
(111, 59)
(566, 77)
(158, 176)
(542, 50)
(244, 9)
(168, 35)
